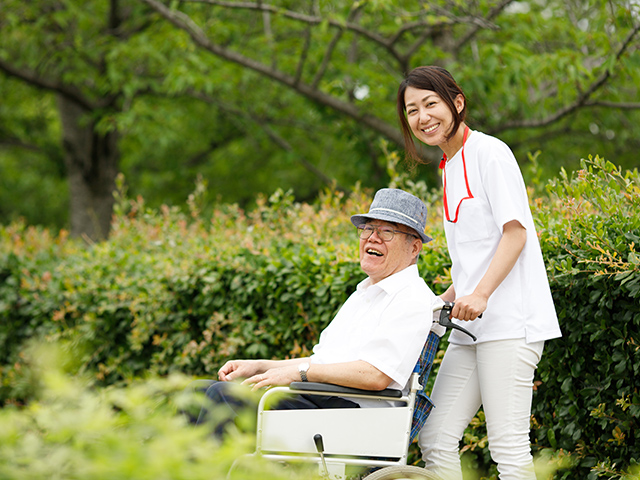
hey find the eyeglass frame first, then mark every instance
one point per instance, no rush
(377, 228)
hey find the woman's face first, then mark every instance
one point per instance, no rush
(429, 116)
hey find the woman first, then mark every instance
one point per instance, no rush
(497, 271)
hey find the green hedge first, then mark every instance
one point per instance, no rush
(173, 291)
(589, 401)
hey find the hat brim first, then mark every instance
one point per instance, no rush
(361, 219)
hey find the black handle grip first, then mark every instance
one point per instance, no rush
(447, 323)
(317, 439)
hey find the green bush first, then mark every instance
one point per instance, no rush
(175, 292)
(71, 431)
(589, 399)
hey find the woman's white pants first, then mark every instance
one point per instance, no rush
(499, 376)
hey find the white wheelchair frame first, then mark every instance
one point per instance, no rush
(337, 438)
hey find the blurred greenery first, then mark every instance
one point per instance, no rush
(71, 430)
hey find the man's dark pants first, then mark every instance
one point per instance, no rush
(228, 404)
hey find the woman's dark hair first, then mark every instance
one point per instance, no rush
(440, 81)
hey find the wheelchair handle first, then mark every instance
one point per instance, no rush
(317, 439)
(446, 322)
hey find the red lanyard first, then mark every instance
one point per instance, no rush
(466, 181)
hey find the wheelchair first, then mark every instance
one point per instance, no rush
(371, 440)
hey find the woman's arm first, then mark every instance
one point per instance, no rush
(514, 237)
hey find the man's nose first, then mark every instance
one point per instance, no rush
(375, 236)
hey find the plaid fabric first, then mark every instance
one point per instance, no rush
(424, 404)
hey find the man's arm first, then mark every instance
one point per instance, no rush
(449, 295)
(357, 374)
(239, 369)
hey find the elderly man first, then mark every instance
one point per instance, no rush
(376, 337)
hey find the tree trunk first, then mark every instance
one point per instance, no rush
(91, 159)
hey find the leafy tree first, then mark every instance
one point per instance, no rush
(115, 90)
(531, 85)
(74, 50)
(254, 95)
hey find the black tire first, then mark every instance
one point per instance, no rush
(401, 472)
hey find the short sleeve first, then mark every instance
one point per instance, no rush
(398, 341)
(504, 186)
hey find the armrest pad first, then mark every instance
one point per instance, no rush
(340, 390)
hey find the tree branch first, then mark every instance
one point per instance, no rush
(271, 133)
(404, 60)
(286, 146)
(425, 26)
(114, 15)
(582, 99)
(311, 19)
(616, 105)
(200, 157)
(330, 48)
(304, 54)
(477, 26)
(326, 58)
(67, 91)
(12, 142)
(185, 23)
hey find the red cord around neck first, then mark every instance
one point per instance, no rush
(443, 164)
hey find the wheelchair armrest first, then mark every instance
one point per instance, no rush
(340, 390)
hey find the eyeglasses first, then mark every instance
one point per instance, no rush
(386, 234)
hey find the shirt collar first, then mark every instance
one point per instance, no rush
(393, 283)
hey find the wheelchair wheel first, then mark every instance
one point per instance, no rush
(401, 472)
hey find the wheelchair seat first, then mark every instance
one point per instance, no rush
(340, 437)
(372, 436)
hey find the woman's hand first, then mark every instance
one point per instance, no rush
(469, 307)
(514, 237)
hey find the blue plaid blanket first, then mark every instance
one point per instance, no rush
(424, 404)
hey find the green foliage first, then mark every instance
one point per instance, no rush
(72, 431)
(182, 110)
(31, 165)
(588, 399)
(175, 291)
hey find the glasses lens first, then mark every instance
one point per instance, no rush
(385, 234)
(365, 231)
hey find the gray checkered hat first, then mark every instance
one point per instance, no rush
(397, 206)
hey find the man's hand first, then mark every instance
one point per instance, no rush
(239, 369)
(275, 376)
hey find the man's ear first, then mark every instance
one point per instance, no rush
(416, 248)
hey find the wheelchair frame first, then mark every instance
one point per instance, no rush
(338, 438)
